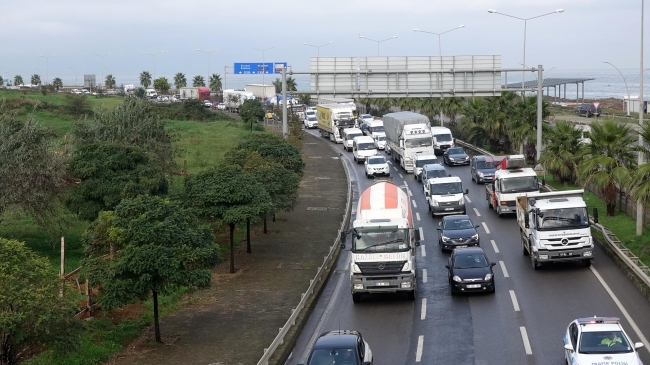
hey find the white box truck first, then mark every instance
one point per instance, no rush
(383, 243)
(260, 90)
(235, 98)
(510, 180)
(333, 119)
(555, 227)
(407, 134)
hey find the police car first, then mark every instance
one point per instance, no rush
(599, 340)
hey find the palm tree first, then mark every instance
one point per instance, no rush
(608, 160)
(109, 82)
(291, 84)
(36, 79)
(640, 179)
(180, 80)
(562, 151)
(57, 83)
(523, 127)
(215, 82)
(304, 99)
(497, 112)
(18, 80)
(473, 122)
(451, 107)
(198, 81)
(145, 79)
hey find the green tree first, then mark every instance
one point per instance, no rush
(561, 151)
(161, 84)
(522, 126)
(145, 79)
(110, 82)
(227, 196)
(2, 80)
(215, 82)
(18, 80)
(36, 79)
(180, 80)
(198, 81)
(608, 160)
(304, 99)
(291, 84)
(274, 149)
(78, 105)
(156, 246)
(32, 312)
(640, 179)
(251, 112)
(108, 174)
(57, 83)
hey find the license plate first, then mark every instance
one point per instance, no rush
(383, 283)
(473, 286)
(461, 246)
(565, 254)
(449, 208)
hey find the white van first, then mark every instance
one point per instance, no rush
(363, 147)
(445, 195)
(151, 94)
(374, 127)
(348, 136)
(442, 139)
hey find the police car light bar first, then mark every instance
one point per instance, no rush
(594, 319)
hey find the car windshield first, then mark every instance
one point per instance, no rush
(436, 173)
(456, 151)
(381, 138)
(457, 223)
(604, 342)
(443, 137)
(519, 184)
(365, 146)
(552, 219)
(417, 142)
(470, 261)
(446, 188)
(309, 113)
(311, 119)
(428, 161)
(376, 160)
(486, 164)
(330, 357)
(366, 116)
(352, 135)
(379, 128)
(386, 241)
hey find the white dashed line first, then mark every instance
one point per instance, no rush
(622, 309)
(494, 245)
(421, 234)
(424, 250)
(400, 175)
(395, 168)
(414, 204)
(424, 275)
(423, 314)
(486, 228)
(467, 198)
(515, 304)
(410, 194)
(417, 215)
(524, 337)
(418, 352)
(503, 268)
(477, 213)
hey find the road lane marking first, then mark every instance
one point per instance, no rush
(414, 204)
(421, 234)
(494, 245)
(418, 352)
(486, 228)
(401, 177)
(423, 314)
(515, 304)
(424, 250)
(477, 213)
(524, 337)
(467, 198)
(417, 215)
(395, 168)
(503, 268)
(408, 191)
(621, 308)
(424, 275)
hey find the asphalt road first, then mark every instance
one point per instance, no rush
(522, 323)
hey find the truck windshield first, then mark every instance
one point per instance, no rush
(446, 188)
(552, 219)
(443, 137)
(379, 128)
(381, 241)
(344, 122)
(519, 184)
(365, 146)
(381, 138)
(417, 142)
(352, 135)
(420, 163)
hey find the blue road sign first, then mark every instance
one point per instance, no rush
(259, 68)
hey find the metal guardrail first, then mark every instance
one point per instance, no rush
(323, 272)
(634, 263)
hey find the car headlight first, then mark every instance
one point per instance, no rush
(355, 268)
(445, 239)
(457, 279)
(488, 276)
(480, 174)
(461, 201)
(475, 237)
(587, 254)
(543, 257)
(451, 159)
(407, 266)
(434, 202)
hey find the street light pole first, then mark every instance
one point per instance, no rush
(523, 72)
(153, 55)
(102, 57)
(383, 40)
(318, 47)
(75, 76)
(208, 53)
(47, 70)
(626, 88)
(264, 71)
(639, 205)
(439, 34)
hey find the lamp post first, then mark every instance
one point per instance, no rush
(47, 70)
(626, 88)
(75, 76)
(208, 53)
(318, 47)
(153, 55)
(383, 40)
(102, 57)
(439, 34)
(263, 70)
(523, 73)
(639, 205)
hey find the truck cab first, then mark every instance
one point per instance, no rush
(375, 127)
(442, 139)
(445, 195)
(348, 136)
(511, 179)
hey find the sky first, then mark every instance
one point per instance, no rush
(587, 33)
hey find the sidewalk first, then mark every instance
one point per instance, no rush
(232, 322)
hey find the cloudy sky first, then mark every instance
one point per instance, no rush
(586, 34)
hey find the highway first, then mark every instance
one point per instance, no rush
(522, 323)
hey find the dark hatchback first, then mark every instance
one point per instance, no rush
(483, 168)
(457, 231)
(470, 270)
(432, 170)
(588, 110)
(455, 156)
(340, 347)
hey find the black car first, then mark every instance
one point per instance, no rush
(340, 347)
(432, 170)
(457, 231)
(455, 156)
(483, 168)
(470, 270)
(588, 110)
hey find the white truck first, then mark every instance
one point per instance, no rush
(442, 139)
(235, 98)
(260, 90)
(407, 134)
(383, 243)
(510, 180)
(555, 227)
(333, 119)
